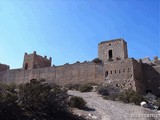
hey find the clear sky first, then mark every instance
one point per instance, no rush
(70, 30)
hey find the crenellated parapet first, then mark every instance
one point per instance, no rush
(32, 61)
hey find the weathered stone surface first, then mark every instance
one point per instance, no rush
(116, 69)
(4, 67)
(32, 61)
(112, 50)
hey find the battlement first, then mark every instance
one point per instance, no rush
(35, 53)
(112, 40)
(32, 61)
(114, 68)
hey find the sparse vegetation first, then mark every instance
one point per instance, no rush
(35, 100)
(97, 60)
(78, 62)
(107, 90)
(85, 88)
(130, 96)
(103, 90)
(113, 96)
(77, 102)
(157, 103)
(113, 93)
(72, 86)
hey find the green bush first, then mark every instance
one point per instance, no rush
(113, 97)
(158, 103)
(97, 60)
(85, 88)
(130, 96)
(92, 84)
(35, 100)
(107, 90)
(77, 102)
(123, 97)
(103, 90)
(127, 96)
(72, 86)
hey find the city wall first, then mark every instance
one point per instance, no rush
(61, 75)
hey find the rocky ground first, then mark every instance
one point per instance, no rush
(100, 109)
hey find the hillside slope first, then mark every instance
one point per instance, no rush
(100, 109)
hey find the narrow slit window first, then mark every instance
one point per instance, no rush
(110, 54)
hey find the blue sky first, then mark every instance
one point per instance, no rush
(70, 30)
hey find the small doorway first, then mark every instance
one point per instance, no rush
(106, 74)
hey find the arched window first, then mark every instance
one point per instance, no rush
(26, 66)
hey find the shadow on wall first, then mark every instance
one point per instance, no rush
(151, 79)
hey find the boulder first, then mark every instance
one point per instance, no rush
(144, 104)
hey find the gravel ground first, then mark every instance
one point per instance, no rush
(100, 109)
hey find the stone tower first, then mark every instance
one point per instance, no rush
(112, 50)
(4, 67)
(32, 61)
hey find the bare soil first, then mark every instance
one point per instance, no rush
(100, 109)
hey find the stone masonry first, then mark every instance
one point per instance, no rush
(112, 50)
(4, 67)
(32, 61)
(115, 68)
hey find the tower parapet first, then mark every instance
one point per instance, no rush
(32, 61)
(4, 67)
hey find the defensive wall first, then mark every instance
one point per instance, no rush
(114, 68)
(61, 75)
(125, 74)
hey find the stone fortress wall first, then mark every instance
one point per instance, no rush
(62, 75)
(116, 69)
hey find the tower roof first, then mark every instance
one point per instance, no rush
(112, 40)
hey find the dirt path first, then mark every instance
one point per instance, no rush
(101, 109)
